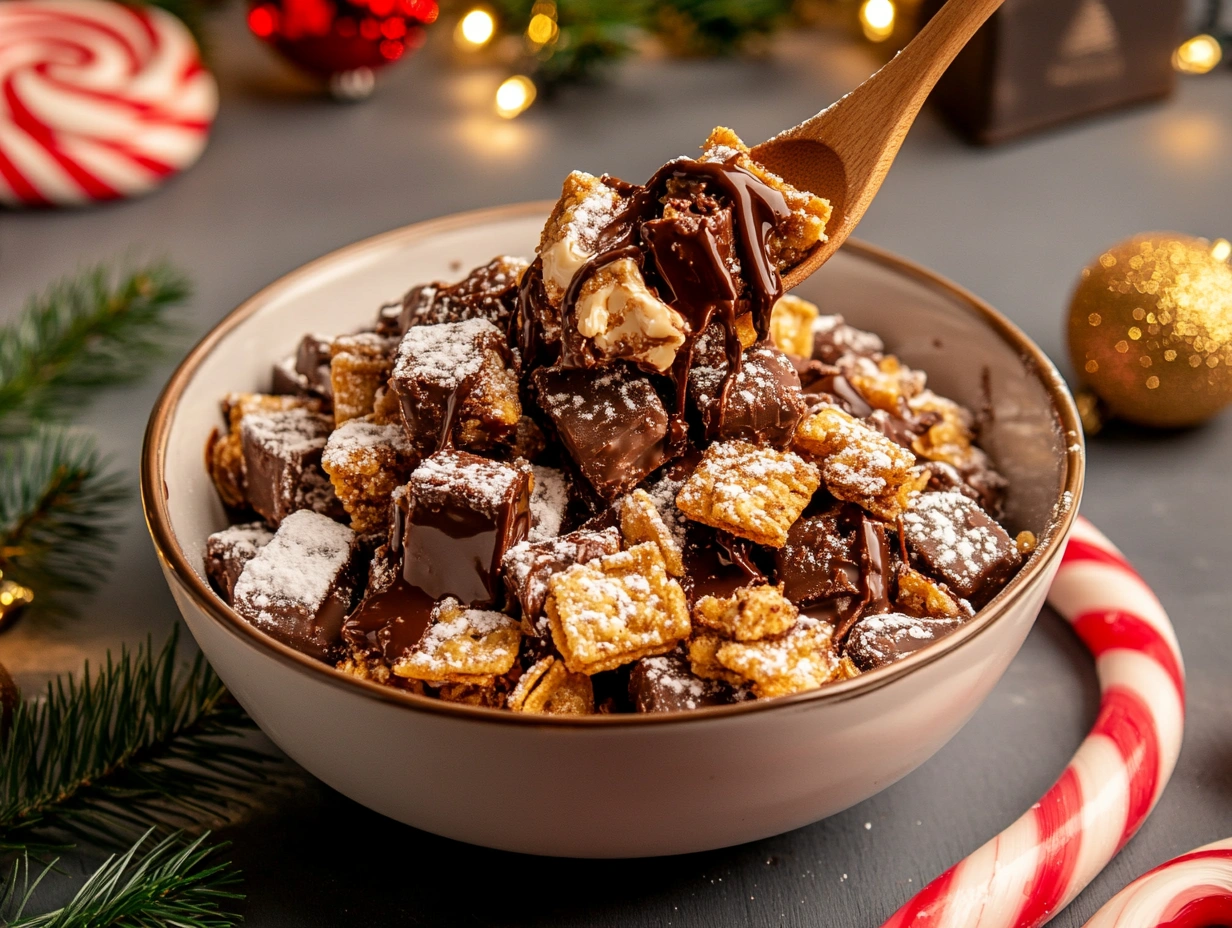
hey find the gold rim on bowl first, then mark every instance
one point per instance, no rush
(154, 499)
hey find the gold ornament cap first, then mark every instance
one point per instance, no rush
(1150, 329)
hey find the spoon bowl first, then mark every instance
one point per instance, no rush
(845, 151)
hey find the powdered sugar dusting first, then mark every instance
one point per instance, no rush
(547, 502)
(296, 570)
(481, 481)
(355, 440)
(286, 433)
(444, 355)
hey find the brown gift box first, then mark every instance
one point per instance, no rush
(1037, 63)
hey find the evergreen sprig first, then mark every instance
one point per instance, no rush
(174, 883)
(58, 506)
(593, 34)
(98, 328)
(145, 740)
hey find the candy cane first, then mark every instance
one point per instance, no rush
(98, 100)
(1190, 891)
(1029, 872)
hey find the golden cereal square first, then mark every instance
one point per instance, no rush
(803, 659)
(791, 325)
(750, 614)
(750, 491)
(918, 595)
(704, 661)
(860, 465)
(616, 609)
(641, 521)
(359, 366)
(366, 461)
(551, 688)
(804, 228)
(463, 646)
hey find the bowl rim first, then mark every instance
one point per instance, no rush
(155, 494)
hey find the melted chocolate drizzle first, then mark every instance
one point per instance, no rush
(692, 261)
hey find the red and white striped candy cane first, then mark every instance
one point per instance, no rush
(1190, 891)
(1028, 873)
(98, 100)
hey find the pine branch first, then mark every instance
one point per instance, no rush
(143, 741)
(92, 330)
(172, 884)
(58, 506)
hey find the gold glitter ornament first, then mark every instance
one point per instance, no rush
(14, 598)
(1150, 329)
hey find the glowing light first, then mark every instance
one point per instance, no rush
(1221, 249)
(1197, 55)
(515, 95)
(475, 29)
(877, 19)
(263, 21)
(542, 29)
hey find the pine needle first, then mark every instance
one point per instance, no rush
(145, 740)
(58, 505)
(172, 884)
(95, 329)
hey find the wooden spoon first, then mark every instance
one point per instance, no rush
(845, 151)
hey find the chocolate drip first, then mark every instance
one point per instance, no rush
(692, 259)
(389, 621)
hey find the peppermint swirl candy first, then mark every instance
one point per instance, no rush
(100, 101)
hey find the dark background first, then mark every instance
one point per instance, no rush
(289, 176)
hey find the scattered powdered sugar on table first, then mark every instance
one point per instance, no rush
(547, 502)
(443, 355)
(296, 570)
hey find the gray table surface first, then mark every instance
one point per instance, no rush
(289, 176)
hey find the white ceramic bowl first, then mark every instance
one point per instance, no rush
(627, 785)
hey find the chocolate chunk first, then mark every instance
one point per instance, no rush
(612, 423)
(834, 339)
(878, 640)
(900, 430)
(307, 371)
(819, 560)
(392, 615)
(282, 462)
(464, 512)
(762, 404)
(976, 479)
(828, 385)
(455, 386)
(488, 292)
(961, 545)
(227, 552)
(668, 684)
(695, 256)
(717, 563)
(876, 565)
(299, 586)
(529, 564)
